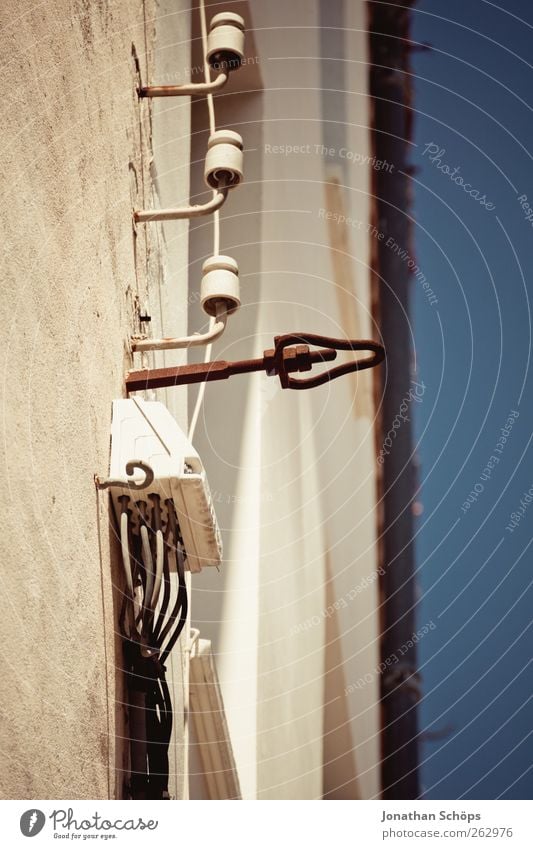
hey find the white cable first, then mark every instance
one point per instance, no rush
(199, 397)
(160, 549)
(207, 70)
(216, 233)
(207, 357)
(124, 545)
(216, 216)
(211, 112)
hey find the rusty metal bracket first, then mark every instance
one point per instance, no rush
(282, 342)
(290, 354)
(130, 483)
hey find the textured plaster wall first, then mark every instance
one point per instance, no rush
(167, 273)
(75, 158)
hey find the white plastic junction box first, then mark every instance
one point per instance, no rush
(145, 431)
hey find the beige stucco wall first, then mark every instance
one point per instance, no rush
(75, 160)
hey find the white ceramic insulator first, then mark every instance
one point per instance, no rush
(225, 42)
(224, 159)
(220, 283)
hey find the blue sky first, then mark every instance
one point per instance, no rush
(473, 100)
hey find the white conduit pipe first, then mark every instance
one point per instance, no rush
(217, 324)
(186, 89)
(216, 328)
(146, 215)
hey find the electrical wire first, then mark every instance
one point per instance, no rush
(200, 397)
(216, 218)
(207, 70)
(148, 643)
(166, 596)
(159, 547)
(211, 113)
(181, 604)
(124, 544)
(147, 613)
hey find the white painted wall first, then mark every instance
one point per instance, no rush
(293, 473)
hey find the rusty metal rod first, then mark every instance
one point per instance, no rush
(298, 358)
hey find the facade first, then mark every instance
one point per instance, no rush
(293, 616)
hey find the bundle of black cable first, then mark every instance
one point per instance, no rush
(150, 723)
(152, 548)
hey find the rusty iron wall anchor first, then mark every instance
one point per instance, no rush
(290, 354)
